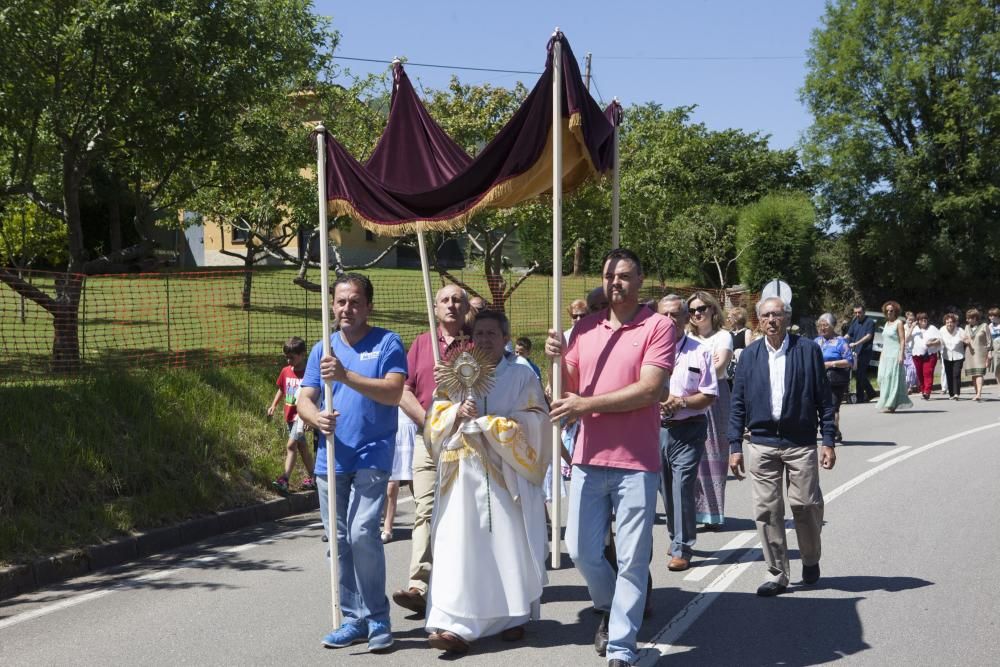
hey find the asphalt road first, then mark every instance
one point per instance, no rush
(909, 578)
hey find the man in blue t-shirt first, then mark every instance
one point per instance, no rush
(367, 368)
(861, 335)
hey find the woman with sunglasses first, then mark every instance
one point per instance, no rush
(710, 490)
(978, 350)
(891, 376)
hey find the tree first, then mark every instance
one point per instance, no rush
(28, 235)
(779, 236)
(668, 166)
(264, 193)
(708, 234)
(154, 92)
(836, 289)
(905, 145)
(673, 174)
(472, 115)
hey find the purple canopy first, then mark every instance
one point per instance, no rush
(432, 158)
(418, 178)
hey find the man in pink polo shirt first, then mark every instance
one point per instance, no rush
(614, 370)
(451, 305)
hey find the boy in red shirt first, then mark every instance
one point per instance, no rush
(288, 388)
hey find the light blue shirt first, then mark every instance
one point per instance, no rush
(365, 436)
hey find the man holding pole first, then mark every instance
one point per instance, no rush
(367, 368)
(451, 307)
(614, 371)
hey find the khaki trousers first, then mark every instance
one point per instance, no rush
(768, 468)
(424, 487)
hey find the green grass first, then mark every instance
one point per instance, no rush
(192, 319)
(107, 455)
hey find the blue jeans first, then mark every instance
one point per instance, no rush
(596, 492)
(681, 447)
(360, 557)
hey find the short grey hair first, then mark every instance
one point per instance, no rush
(785, 307)
(461, 290)
(829, 318)
(673, 297)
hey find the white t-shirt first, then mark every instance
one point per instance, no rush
(920, 338)
(720, 340)
(954, 344)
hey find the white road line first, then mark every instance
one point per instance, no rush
(702, 571)
(889, 454)
(663, 641)
(149, 576)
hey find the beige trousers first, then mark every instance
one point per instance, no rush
(769, 468)
(424, 486)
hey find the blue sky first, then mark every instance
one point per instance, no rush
(674, 52)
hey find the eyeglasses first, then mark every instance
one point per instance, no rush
(577, 316)
(772, 316)
(700, 309)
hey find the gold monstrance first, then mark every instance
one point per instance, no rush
(468, 374)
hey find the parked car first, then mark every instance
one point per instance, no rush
(877, 341)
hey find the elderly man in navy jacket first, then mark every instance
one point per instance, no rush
(781, 394)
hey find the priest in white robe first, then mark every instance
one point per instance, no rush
(489, 535)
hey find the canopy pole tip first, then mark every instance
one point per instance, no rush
(319, 126)
(555, 33)
(397, 60)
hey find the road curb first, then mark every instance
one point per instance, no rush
(27, 577)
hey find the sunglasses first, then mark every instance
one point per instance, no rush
(700, 309)
(578, 316)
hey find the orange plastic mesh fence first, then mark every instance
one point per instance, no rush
(54, 324)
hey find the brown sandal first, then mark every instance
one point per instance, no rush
(514, 634)
(447, 641)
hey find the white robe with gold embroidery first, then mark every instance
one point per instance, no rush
(489, 536)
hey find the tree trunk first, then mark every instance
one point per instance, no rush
(493, 268)
(65, 323)
(498, 291)
(65, 310)
(578, 258)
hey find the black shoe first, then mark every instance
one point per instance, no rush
(810, 574)
(601, 636)
(769, 589)
(617, 663)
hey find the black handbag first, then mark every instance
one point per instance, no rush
(838, 376)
